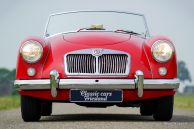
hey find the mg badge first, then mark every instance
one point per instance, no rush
(97, 52)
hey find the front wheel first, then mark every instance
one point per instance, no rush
(30, 108)
(164, 108)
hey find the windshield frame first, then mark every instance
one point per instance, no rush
(147, 34)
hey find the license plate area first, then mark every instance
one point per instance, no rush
(96, 96)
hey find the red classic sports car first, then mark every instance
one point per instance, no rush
(97, 59)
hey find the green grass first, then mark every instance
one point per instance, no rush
(184, 101)
(9, 102)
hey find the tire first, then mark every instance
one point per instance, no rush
(30, 108)
(46, 108)
(164, 109)
(147, 109)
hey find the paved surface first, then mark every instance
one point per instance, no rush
(71, 116)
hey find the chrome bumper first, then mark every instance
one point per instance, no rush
(138, 83)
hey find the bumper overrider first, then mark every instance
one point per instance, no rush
(138, 83)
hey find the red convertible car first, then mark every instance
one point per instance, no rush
(97, 59)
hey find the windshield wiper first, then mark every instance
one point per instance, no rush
(127, 32)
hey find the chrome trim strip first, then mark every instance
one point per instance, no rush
(161, 84)
(97, 84)
(158, 84)
(97, 11)
(32, 84)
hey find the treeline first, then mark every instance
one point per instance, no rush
(7, 78)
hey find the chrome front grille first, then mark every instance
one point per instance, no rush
(112, 64)
(81, 63)
(86, 63)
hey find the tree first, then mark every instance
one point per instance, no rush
(3, 73)
(7, 78)
(11, 75)
(183, 72)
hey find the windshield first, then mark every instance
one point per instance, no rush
(96, 20)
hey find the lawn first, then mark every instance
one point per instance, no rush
(184, 101)
(9, 102)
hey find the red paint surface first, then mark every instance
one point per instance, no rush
(96, 39)
(128, 95)
(22, 66)
(46, 94)
(170, 65)
(57, 46)
(148, 94)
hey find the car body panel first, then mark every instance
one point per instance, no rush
(128, 95)
(132, 46)
(96, 39)
(170, 65)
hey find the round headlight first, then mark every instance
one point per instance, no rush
(162, 51)
(31, 51)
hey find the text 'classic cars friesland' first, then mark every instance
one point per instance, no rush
(97, 59)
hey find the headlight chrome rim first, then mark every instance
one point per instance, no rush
(160, 42)
(35, 43)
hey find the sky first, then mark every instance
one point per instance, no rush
(22, 18)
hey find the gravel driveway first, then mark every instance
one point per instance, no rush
(71, 116)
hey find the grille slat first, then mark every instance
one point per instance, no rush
(78, 64)
(75, 62)
(107, 64)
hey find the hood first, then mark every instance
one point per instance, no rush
(60, 45)
(96, 38)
